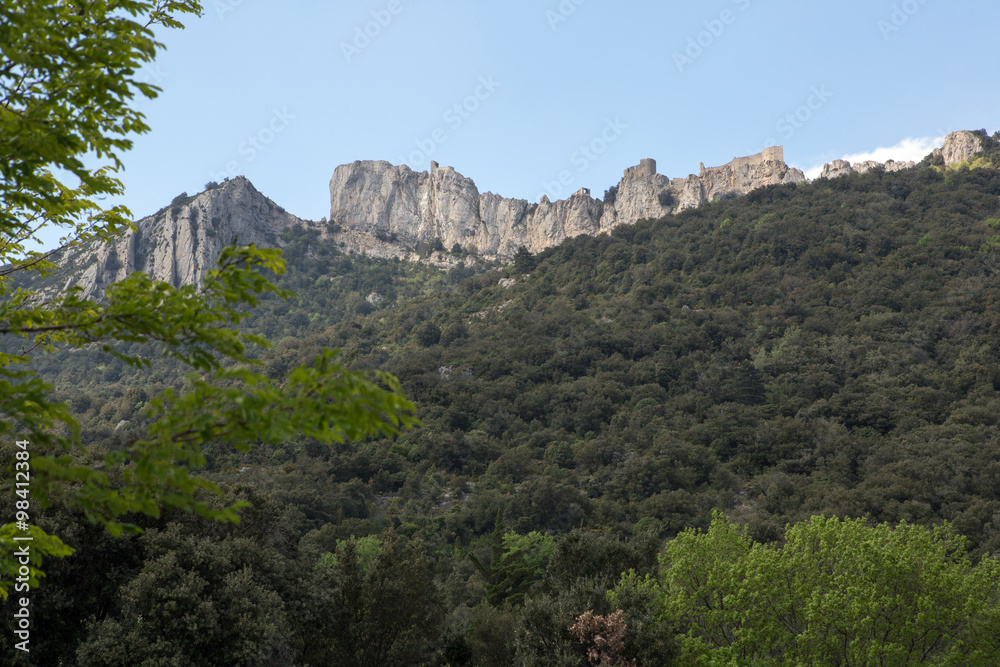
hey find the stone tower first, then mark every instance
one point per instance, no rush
(646, 167)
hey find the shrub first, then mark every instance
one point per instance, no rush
(427, 334)
(611, 194)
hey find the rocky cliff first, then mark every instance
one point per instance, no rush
(181, 242)
(958, 147)
(393, 202)
(383, 210)
(843, 167)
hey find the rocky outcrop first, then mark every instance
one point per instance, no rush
(399, 206)
(959, 147)
(378, 199)
(380, 247)
(836, 168)
(395, 203)
(182, 242)
(748, 173)
(638, 196)
(382, 210)
(843, 167)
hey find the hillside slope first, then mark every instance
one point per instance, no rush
(821, 348)
(827, 348)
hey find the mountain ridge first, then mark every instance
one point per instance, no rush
(441, 204)
(383, 210)
(379, 200)
(182, 241)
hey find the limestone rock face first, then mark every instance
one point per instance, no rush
(510, 218)
(552, 222)
(836, 168)
(392, 200)
(843, 167)
(638, 196)
(378, 200)
(397, 203)
(960, 146)
(691, 192)
(867, 165)
(182, 242)
(893, 165)
(748, 173)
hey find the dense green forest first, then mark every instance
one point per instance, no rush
(829, 349)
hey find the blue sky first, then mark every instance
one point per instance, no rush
(517, 94)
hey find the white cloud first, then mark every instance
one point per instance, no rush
(914, 149)
(812, 173)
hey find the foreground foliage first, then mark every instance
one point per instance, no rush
(67, 81)
(835, 592)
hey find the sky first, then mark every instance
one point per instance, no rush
(533, 97)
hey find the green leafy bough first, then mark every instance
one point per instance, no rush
(67, 79)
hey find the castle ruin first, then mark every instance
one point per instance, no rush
(646, 167)
(772, 154)
(436, 167)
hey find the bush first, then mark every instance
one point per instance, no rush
(610, 195)
(666, 199)
(427, 334)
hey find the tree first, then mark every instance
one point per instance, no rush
(610, 195)
(198, 602)
(524, 261)
(386, 611)
(666, 199)
(516, 563)
(427, 334)
(68, 77)
(604, 637)
(836, 592)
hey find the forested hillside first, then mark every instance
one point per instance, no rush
(828, 348)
